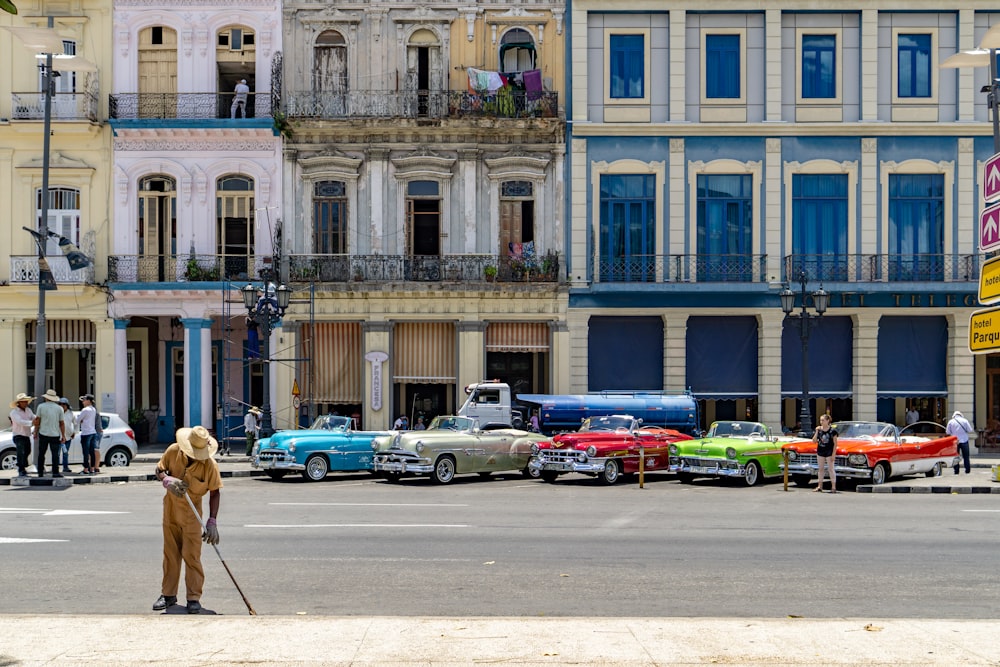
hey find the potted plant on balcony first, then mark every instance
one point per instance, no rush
(490, 273)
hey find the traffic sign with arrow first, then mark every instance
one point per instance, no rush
(989, 228)
(991, 182)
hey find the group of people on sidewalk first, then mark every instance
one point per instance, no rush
(53, 428)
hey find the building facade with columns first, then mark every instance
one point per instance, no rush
(722, 150)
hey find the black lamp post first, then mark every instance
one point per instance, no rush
(266, 307)
(820, 300)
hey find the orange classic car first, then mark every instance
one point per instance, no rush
(876, 451)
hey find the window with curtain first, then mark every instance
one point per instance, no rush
(722, 66)
(627, 228)
(329, 218)
(627, 65)
(916, 227)
(725, 227)
(819, 225)
(63, 214)
(819, 66)
(914, 65)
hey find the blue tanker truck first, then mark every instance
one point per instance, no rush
(494, 402)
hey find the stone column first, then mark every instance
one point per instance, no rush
(559, 353)
(961, 367)
(471, 355)
(377, 340)
(119, 362)
(198, 372)
(675, 351)
(869, 65)
(678, 62)
(866, 365)
(769, 399)
(772, 66)
(283, 375)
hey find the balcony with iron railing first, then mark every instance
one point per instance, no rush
(186, 106)
(931, 267)
(736, 268)
(65, 106)
(335, 268)
(420, 104)
(24, 269)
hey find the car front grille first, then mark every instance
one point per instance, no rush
(559, 456)
(707, 463)
(810, 460)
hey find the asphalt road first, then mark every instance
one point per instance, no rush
(511, 547)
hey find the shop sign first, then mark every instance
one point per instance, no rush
(984, 331)
(989, 282)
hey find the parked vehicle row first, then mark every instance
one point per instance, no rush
(610, 448)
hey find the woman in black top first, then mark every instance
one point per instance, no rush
(825, 438)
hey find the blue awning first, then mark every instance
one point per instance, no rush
(625, 353)
(912, 356)
(831, 344)
(722, 357)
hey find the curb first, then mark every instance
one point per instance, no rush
(109, 479)
(948, 490)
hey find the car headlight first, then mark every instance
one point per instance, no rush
(581, 457)
(420, 447)
(374, 446)
(591, 451)
(857, 460)
(730, 453)
(534, 449)
(395, 440)
(792, 455)
(673, 450)
(291, 448)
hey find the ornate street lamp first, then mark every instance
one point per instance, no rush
(266, 308)
(820, 301)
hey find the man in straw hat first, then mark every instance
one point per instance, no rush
(51, 431)
(187, 467)
(22, 419)
(251, 426)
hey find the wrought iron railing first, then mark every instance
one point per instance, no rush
(420, 104)
(134, 106)
(421, 268)
(24, 269)
(65, 106)
(683, 268)
(935, 267)
(185, 268)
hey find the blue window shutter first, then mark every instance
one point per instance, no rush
(627, 66)
(914, 65)
(722, 66)
(916, 227)
(819, 225)
(819, 66)
(725, 227)
(628, 228)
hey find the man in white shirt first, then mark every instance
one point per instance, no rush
(51, 432)
(912, 416)
(22, 419)
(959, 427)
(240, 100)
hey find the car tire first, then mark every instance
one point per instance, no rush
(802, 480)
(316, 468)
(752, 474)
(612, 472)
(275, 474)
(880, 473)
(685, 477)
(518, 423)
(531, 473)
(548, 475)
(444, 470)
(936, 470)
(8, 459)
(392, 477)
(118, 457)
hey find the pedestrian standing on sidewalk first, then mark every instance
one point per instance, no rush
(22, 419)
(51, 431)
(70, 430)
(959, 427)
(825, 438)
(251, 426)
(187, 467)
(87, 422)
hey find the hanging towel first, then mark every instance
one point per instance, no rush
(495, 82)
(478, 80)
(533, 83)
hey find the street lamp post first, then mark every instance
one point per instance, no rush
(266, 307)
(820, 300)
(984, 56)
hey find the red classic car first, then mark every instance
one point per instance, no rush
(606, 447)
(876, 451)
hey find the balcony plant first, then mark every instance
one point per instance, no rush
(490, 273)
(194, 271)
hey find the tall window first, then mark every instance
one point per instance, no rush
(914, 65)
(423, 217)
(157, 228)
(722, 66)
(517, 51)
(627, 66)
(819, 225)
(725, 227)
(234, 224)
(64, 216)
(916, 226)
(517, 219)
(819, 66)
(330, 218)
(628, 228)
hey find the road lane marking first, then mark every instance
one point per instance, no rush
(979, 510)
(24, 540)
(371, 504)
(356, 525)
(18, 510)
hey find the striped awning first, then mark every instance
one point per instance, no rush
(337, 361)
(517, 337)
(424, 353)
(65, 334)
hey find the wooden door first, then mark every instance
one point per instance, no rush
(157, 72)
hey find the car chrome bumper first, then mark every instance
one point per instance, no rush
(717, 470)
(275, 463)
(589, 467)
(811, 469)
(402, 466)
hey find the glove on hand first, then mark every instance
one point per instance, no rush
(211, 534)
(178, 487)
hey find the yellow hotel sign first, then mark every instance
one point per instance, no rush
(989, 282)
(984, 331)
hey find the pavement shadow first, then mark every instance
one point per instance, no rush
(181, 610)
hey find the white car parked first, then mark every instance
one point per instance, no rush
(118, 446)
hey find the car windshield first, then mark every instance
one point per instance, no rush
(452, 424)
(608, 423)
(736, 429)
(331, 423)
(862, 429)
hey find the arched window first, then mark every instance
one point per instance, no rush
(235, 223)
(517, 51)
(330, 218)
(330, 63)
(157, 227)
(64, 216)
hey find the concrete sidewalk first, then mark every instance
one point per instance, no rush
(168, 639)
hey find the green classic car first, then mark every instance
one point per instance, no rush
(740, 449)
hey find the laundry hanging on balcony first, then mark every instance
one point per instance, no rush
(485, 81)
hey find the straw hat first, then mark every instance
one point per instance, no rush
(51, 395)
(257, 411)
(197, 443)
(21, 398)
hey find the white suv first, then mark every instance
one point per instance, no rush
(118, 446)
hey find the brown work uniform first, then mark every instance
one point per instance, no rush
(181, 528)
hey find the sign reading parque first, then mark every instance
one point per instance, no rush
(984, 331)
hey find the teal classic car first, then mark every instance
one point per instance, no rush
(330, 444)
(452, 446)
(735, 449)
